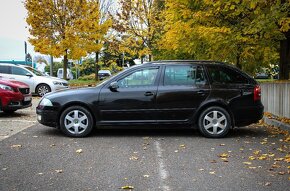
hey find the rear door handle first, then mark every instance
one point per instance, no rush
(201, 92)
(149, 94)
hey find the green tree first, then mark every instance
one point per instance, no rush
(138, 20)
(243, 32)
(65, 28)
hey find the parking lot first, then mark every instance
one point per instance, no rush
(35, 157)
(11, 124)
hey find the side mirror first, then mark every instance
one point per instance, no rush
(114, 86)
(28, 74)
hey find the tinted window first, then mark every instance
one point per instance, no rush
(4, 69)
(183, 75)
(145, 77)
(226, 75)
(18, 71)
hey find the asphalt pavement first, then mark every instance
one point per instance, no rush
(42, 158)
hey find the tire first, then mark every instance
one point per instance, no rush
(214, 122)
(42, 89)
(76, 121)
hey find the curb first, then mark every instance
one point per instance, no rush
(277, 123)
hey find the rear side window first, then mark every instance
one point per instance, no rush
(5, 69)
(224, 75)
(183, 75)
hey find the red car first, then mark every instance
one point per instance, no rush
(14, 95)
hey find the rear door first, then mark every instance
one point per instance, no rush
(182, 89)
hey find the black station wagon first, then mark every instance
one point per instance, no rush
(211, 96)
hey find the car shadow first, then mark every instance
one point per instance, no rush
(13, 115)
(241, 132)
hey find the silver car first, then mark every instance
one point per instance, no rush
(39, 83)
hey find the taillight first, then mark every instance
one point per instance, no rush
(257, 93)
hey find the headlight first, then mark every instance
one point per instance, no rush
(45, 102)
(57, 83)
(4, 87)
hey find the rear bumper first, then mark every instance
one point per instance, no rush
(249, 115)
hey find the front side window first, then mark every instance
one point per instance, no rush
(36, 72)
(4, 69)
(183, 75)
(19, 71)
(226, 75)
(145, 77)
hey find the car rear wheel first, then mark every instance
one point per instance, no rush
(214, 122)
(76, 121)
(42, 89)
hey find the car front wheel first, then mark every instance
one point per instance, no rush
(76, 121)
(214, 122)
(42, 89)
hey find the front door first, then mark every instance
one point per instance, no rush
(133, 101)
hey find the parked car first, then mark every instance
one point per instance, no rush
(104, 74)
(211, 96)
(14, 95)
(68, 73)
(38, 82)
(262, 76)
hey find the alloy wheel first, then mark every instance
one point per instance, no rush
(215, 122)
(76, 122)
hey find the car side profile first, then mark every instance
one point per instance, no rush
(39, 83)
(14, 95)
(211, 96)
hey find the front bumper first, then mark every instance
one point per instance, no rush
(16, 101)
(47, 117)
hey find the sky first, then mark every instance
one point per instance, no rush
(13, 30)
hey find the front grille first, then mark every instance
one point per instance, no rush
(24, 90)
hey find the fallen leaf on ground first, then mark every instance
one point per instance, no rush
(247, 163)
(79, 151)
(268, 184)
(224, 155)
(16, 146)
(182, 146)
(127, 187)
(58, 171)
(212, 172)
(146, 176)
(133, 158)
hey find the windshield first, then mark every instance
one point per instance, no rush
(34, 71)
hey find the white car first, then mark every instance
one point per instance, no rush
(69, 73)
(38, 82)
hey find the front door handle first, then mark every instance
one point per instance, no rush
(149, 94)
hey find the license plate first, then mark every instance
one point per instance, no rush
(28, 98)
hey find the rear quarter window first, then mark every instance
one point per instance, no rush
(226, 75)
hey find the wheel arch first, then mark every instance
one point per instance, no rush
(76, 103)
(217, 103)
(42, 83)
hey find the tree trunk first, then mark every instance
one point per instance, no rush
(65, 62)
(97, 66)
(284, 59)
(238, 61)
(150, 57)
